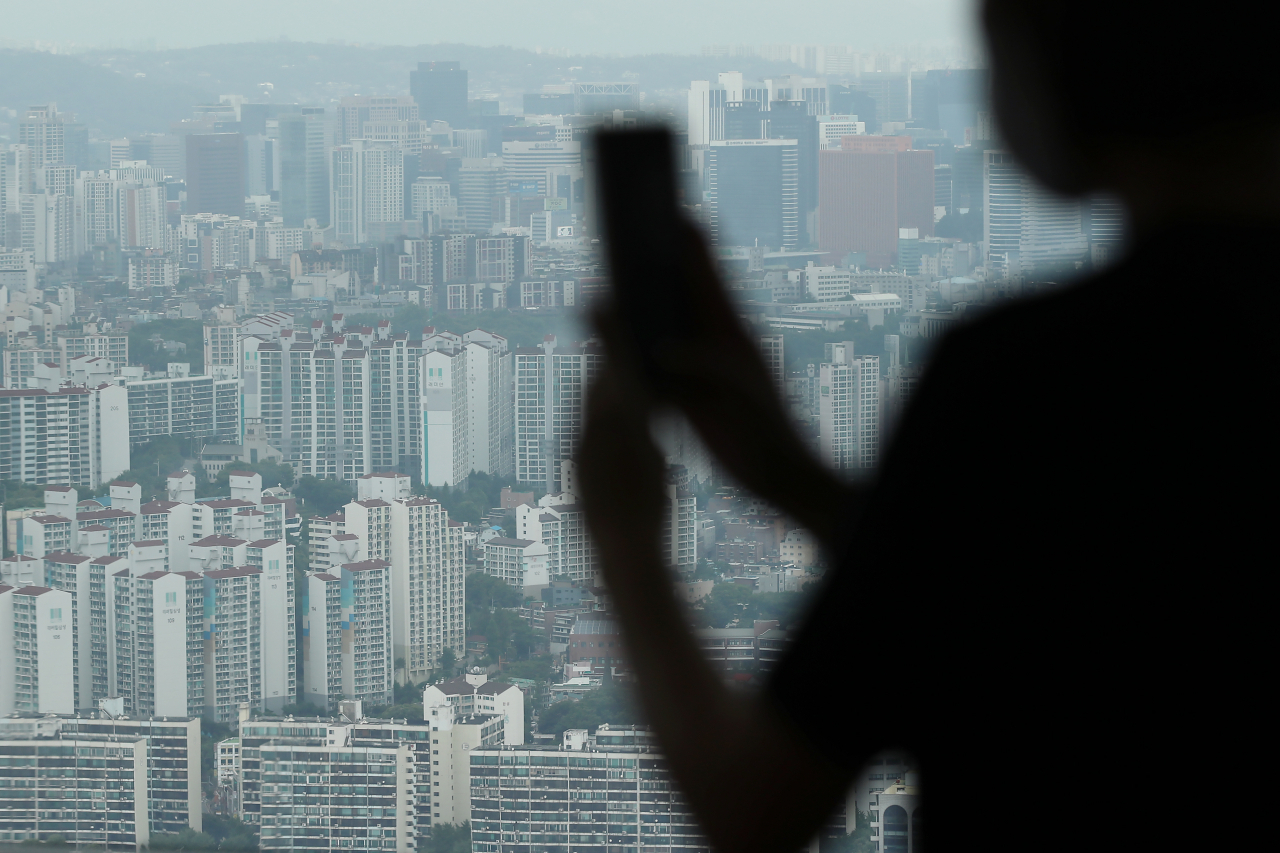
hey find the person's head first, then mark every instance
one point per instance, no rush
(1084, 89)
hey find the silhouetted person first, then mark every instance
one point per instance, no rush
(1047, 595)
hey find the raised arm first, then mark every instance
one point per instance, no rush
(755, 783)
(720, 382)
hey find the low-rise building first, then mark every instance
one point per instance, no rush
(519, 562)
(597, 643)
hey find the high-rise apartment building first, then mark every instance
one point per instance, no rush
(367, 186)
(167, 611)
(551, 383)
(408, 772)
(69, 435)
(466, 713)
(425, 553)
(867, 190)
(126, 206)
(430, 195)
(440, 91)
(203, 406)
(560, 524)
(467, 406)
(753, 193)
(347, 634)
(39, 651)
(344, 430)
(220, 346)
(43, 130)
(848, 408)
(216, 171)
(47, 226)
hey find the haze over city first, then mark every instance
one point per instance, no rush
(609, 26)
(616, 427)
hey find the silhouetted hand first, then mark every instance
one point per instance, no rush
(720, 382)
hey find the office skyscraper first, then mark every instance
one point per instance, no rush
(1026, 225)
(792, 120)
(355, 110)
(753, 192)
(480, 182)
(216, 175)
(303, 174)
(743, 120)
(440, 91)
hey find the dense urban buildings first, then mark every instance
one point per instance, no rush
(285, 382)
(101, 780)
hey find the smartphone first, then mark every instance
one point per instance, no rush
(645, 240)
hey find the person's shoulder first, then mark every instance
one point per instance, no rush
(1074, 311)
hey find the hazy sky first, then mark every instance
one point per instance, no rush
(646, 26)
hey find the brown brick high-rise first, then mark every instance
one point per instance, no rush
(867, 190)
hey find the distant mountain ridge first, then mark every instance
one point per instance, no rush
(128, 92)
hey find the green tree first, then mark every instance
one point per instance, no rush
(449, 838)
(507, 634)
(407, 711)
(322, 497)
(152, 463)
(143, 351)
(448, 663)
(187, 839)
(610, 703)
(727, 601)
(706, 571)
(231, 833)
(15, 494)
(534, 669)
(486, 591)
(273, 474)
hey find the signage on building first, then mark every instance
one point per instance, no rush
(564, 231)
(555, 204)
(522, 187)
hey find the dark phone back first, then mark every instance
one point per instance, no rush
(644, 237)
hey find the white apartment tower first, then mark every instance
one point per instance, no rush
(43, 132)
(424, 550)
(467, 406)
(348, 653)
(336, 405)
(36, 636)
(366, 183)
(848, 408)
(551, 383)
